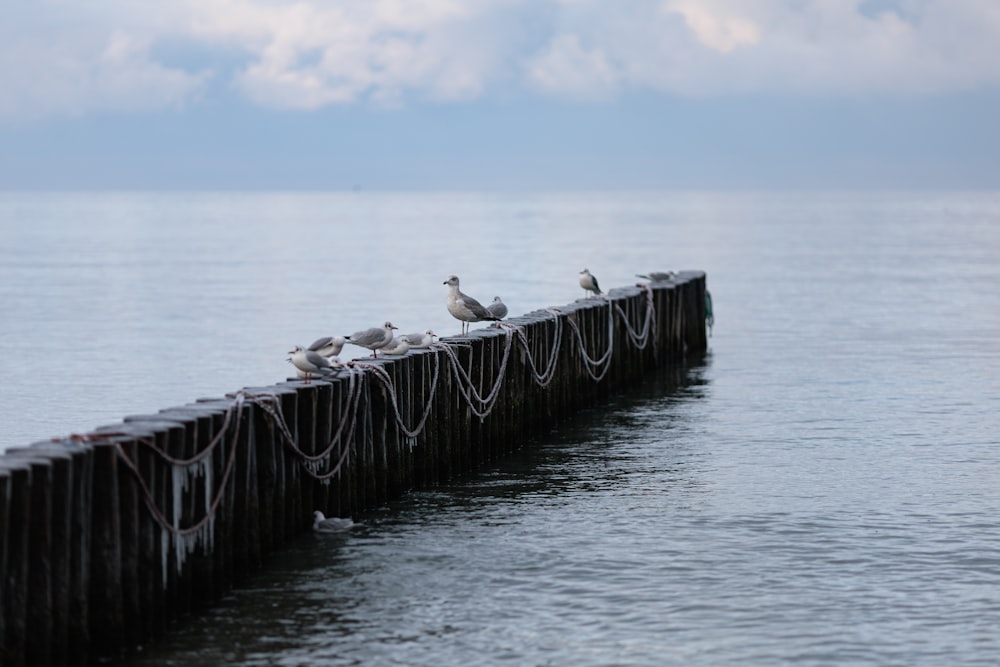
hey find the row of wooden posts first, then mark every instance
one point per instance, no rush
(109, 537)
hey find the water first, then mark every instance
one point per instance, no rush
(822, 488)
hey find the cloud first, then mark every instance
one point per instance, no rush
(721, 31)
(309, 55)
(59, 58)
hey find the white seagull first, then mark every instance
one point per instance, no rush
(322, 524)
(498, 308)
(588, 282)
(309, 363)
(374, 339)
(420, 340)
(463, 307)
(657, 276)
(328, 346)
(398, 345)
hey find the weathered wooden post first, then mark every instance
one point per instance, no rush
(17, 543)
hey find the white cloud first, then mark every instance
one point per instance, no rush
(722, 31)
(59, 58)
(308, 55)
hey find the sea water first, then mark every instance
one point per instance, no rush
(821, 488)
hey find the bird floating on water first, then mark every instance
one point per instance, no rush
(464, 308)
(589, 283)
(373, 339)
(498, 308)
(322, 524)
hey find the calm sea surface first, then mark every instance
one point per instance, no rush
(822, 488)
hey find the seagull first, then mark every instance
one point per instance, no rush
(420, 340)
(328, 346)
(305, 375)
(398, 345)
(309, 362)
(465, 308)
(374, 339)
(657, 276)
(498, 308)
(321, 524)
(588, 282)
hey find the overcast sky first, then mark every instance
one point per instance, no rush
(464, 94)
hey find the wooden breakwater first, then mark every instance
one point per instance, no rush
(106, 538)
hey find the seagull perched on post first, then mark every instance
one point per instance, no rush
(463, 307)
(588, 282)
(657, 276)
(373, 339)
(328, 346)
(398, 345)
(498, 308)
(309, 362)
(420, 340)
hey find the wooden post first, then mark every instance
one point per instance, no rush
(17, 541)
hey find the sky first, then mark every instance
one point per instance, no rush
(499, 94)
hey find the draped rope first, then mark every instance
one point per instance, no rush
(641, 339)
(544, 378)
(596, 368)
(480, 406)
(150, 502)
(390, 388)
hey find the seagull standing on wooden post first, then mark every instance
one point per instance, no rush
(589, 283)
(463, 307)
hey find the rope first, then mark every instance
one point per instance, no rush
(640, 340)
(545, 378)
(605, 360)
(386, 381)
(165, 523)
(467, 387)
(354, 391)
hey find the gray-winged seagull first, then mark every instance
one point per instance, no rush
(463, 307)
(420, 340)
(328, 346)
(309, 362)
(374, 339)
(398, 345)
(498, 308)
(657, 276)
(588, 282)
